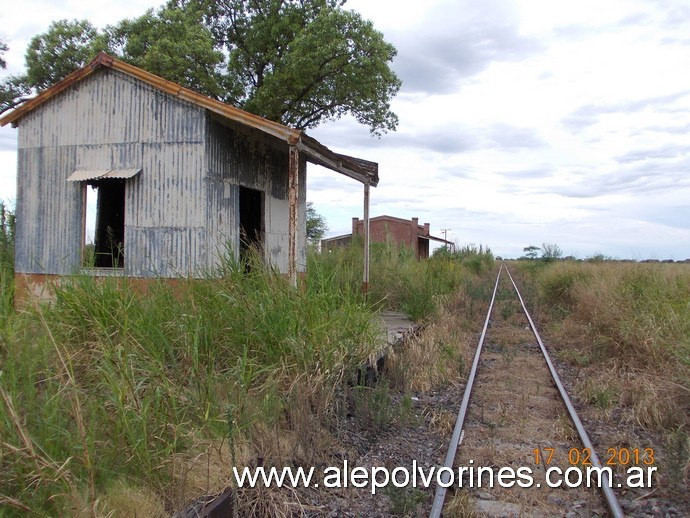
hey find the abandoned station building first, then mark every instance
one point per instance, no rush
(182, 179)
(384, 229)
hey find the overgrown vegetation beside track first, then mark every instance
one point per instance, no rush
(626, 328)
(397, 280)
(113, 400)
(636, 317)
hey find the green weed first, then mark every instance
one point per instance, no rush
(599, 395)
(404, 500)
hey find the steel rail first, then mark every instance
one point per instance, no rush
(609, 495)
(440, 495)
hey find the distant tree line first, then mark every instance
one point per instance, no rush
(551, 252)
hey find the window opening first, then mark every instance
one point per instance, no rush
(104, 227)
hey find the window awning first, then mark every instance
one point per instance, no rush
(100, 174)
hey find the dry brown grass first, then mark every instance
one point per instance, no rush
(442, 421)
(509, 336)
(656, 402)
(640, 312)
(206, 473)
(600, 388)
(432, 359)
(440, 354)
(628, 325)
(460, 505)
(564, 428)
(125, 500)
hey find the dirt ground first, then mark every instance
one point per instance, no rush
(514, 410)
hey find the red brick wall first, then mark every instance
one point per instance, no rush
(398, 231)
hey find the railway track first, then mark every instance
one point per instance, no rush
(516, 418)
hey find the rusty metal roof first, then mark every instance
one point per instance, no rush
(356, 168)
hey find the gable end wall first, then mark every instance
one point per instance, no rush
(113, 121)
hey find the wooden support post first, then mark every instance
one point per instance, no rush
(293, 213)
(365, 283)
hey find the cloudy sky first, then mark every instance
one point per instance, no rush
(521, 121)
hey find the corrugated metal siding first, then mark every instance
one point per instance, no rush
(277, 233)
(277, 223)
(182, 210)
(166, 206)
(302, 221)
(166, 251)
(241, 157)
(112, 108)
(222, 221)
(169, 191)
(45, 238)
(113, 121)
(222, 194)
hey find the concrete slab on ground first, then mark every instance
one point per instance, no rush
(396, 325)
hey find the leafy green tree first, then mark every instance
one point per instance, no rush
(531, 252)
(65, 47)
(304, 62)
(551, 252)
(316, 225)
(298, 62)
(171, 43)
(12, 89)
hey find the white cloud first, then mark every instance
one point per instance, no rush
(521, 121)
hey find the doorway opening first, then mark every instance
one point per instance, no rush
(104, 228)
(251, 222)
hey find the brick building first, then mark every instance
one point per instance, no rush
(388, 228)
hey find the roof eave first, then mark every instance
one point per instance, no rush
(275, 129)
(355, 168)
(76, 76)
(434, 238)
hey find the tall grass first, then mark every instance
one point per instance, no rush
(448, 293)
(118, 398)
(640, 312)
(633, 318)
(397, 280)
(7, 226)
(110, 387)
